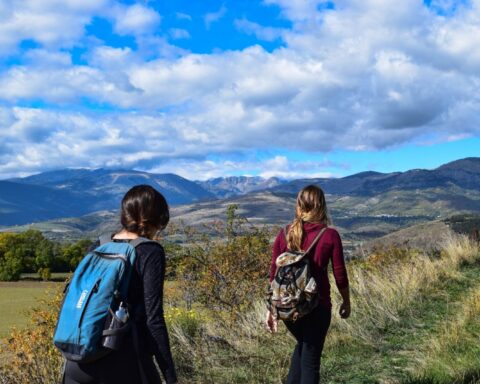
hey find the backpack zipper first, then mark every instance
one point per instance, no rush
(112, 256)
(90, 294)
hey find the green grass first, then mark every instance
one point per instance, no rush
(15, 300)
(400, 346)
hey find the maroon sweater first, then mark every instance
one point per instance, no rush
(328, 248)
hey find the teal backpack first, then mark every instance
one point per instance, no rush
(98, 286)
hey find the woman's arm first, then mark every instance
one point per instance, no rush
(153, 277)
(340, 274)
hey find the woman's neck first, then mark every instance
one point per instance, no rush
(125, 235)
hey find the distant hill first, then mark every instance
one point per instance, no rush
(20, 203)
(76, 192)
(465, 174)
(108, 186)
(259, 208)
(429, 236)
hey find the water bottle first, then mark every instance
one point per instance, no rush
(121, 313)
(119, 320)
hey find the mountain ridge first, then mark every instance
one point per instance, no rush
(77, 192)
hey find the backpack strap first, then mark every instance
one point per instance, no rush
(140, 240)
(315, 241)
(105, 238)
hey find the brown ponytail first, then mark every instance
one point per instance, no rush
(311, 207)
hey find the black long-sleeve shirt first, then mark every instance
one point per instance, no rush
(146, 292)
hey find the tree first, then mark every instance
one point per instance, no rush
(12, 257)
(75, 252)
(29, 241)
(44, 258)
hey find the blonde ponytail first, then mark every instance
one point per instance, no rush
(312, 208)
(295, 235)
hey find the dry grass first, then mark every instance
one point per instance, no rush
(385, 284)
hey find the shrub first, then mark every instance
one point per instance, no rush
(227, 273)
(188, 320)
(45, 273)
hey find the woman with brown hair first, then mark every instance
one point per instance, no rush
(144, 212)
(310, 330)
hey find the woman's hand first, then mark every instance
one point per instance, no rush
(345, 307)
(345, 310)
(271, 322)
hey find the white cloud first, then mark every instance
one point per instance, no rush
(52, 23)
(135, 20)
(183, 16)
(298, 10)
(277, 166)
(281, 166)
(213, 17)
(178, 33)
(39, 140)
(260, 31)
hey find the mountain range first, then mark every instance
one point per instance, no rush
(223, 187)
(364, 205)
(76, 192)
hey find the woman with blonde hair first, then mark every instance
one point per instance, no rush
(311, 329)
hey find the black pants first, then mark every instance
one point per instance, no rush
(310, 332)
(116, 368)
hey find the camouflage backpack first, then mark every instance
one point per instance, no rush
(293, 291)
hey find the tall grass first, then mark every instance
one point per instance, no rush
(386, 283)
(452, 355)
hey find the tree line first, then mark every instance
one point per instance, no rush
(31, 252)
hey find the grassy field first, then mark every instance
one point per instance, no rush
(16, 298)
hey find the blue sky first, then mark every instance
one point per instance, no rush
(204, 89)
